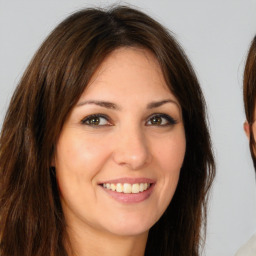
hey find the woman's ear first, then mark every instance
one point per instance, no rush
(247, 129)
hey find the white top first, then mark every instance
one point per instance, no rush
(248, 249)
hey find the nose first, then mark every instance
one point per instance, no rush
(132, 150)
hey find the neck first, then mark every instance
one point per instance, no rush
(94, 243)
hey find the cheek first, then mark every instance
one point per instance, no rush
(253, 131)
(80, 155)
(170, 153)
(170, 156)
(254, 137)
(78, 160)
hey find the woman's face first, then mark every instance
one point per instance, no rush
(120, 151)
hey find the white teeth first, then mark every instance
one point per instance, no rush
(113, 187)
(127, 188)
(119, 187)
(135, 188)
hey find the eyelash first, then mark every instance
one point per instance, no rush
(169, 120)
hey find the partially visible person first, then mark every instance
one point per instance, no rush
(249, 93)
(249, 248)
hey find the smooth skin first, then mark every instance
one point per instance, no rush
(126, 124)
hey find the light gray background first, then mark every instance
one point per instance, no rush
(216, 35)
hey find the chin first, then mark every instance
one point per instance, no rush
(129, 231)
(130, 226)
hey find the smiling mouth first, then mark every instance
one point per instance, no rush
(127, 188)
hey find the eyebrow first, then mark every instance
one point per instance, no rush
(111, 105)
(157, 104)
(104, 104)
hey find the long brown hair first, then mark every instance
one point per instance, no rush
(32, 221)
(250, 94)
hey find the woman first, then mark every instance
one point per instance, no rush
(249, 126)
(101, 148)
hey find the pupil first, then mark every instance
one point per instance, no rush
(95, 121)
(156, 120)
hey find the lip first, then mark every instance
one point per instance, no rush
(129, 198)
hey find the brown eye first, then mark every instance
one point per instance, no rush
(96, 120)
(156, 120)
(160, 120)
(93, 121)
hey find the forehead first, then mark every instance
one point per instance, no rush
(130, 70)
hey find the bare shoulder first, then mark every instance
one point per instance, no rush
(249, 248)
